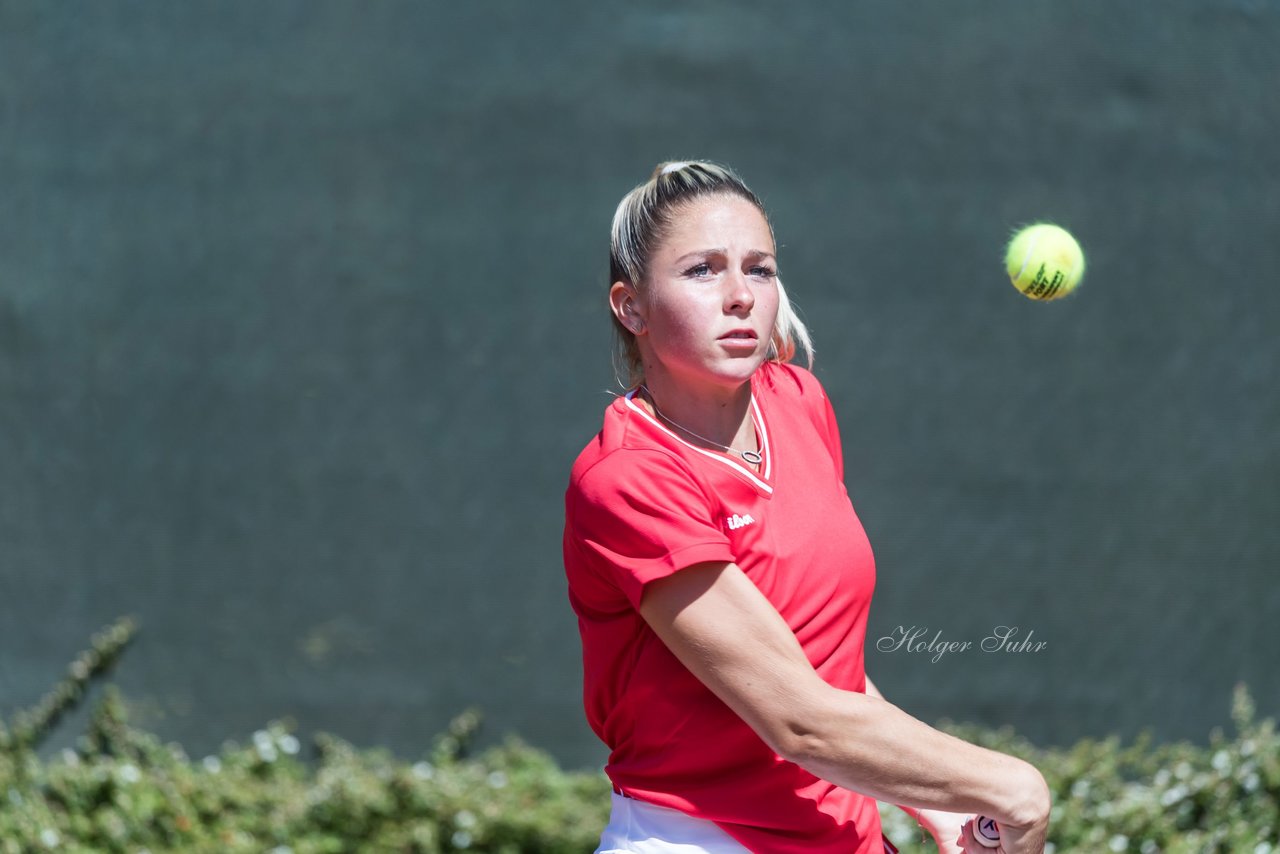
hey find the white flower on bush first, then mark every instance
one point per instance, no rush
(129, 773)
(70, 757)
(1080, 789)
(1172, 796)
(289, 744)
(1182, 770)
(461, 839)
(212, 764)
(265, 745)
(1162, 777)
(465, 819)
(1135, 794)
(1149, 847)
(423, 770)
(1221, 761)
(49, 838)
(319, 795)
(497, 780)
(1119, 842)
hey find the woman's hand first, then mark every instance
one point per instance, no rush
(945, 828)
(1014, 839)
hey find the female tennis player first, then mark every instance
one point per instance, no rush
(722, 580)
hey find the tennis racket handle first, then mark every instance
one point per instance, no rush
(986, 831)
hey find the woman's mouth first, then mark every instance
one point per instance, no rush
(739, 340)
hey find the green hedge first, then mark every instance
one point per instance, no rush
(1143, 797)
(122, 790)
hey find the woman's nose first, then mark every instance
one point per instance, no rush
(739, 294)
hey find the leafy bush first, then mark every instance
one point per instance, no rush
(122, 790)
(1171, 798)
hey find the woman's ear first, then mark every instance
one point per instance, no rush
(626, 307)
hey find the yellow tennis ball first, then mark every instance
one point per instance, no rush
(1044, 261)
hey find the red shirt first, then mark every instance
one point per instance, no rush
(642, 504)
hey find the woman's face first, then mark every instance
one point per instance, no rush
(711, 296)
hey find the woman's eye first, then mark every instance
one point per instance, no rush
(764, 272)
(699, 271)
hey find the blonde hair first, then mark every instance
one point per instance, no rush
(643, 219)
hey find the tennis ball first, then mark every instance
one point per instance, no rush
(1044, 261)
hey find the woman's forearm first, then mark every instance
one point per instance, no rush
(941, 824)
(864, 743)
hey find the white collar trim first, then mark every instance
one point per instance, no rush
(724, 459)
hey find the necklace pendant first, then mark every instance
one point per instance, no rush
(752, 457)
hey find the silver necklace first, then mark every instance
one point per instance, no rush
(752, 457)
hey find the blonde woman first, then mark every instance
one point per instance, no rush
(722, 579)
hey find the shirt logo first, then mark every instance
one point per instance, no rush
(735, 521)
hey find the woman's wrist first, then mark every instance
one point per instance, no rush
(1034, 801)
(939, 820)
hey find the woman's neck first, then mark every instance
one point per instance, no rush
(720, 415)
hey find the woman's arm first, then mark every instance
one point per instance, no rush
(721, 627)
(945, 827)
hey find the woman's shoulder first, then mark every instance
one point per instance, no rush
(787, 380)
(624, 450)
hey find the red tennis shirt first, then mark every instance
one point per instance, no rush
(642, 504)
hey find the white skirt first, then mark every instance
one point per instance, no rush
(636, 827)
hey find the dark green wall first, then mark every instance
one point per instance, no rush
(302, 323)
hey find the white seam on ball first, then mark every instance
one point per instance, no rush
(1027, 258)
